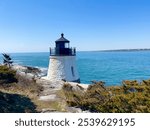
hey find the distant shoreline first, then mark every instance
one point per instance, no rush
(113, 50)
(121, 50)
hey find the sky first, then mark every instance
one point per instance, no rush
(34, 25)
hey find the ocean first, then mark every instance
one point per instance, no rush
(110, 66)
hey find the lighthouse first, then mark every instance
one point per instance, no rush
(62, 63)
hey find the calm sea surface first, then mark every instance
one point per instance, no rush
(111, 67)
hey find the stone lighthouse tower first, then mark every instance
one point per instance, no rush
(62, 64)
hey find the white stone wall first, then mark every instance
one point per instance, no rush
(60, 68)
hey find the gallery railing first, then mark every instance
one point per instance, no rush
(62, 51)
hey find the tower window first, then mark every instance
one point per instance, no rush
(66, 45)
(72, 70)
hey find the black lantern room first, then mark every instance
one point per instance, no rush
(62, 48)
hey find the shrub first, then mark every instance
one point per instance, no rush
(146, 82)
(95, 95)
(98, 98)
(129, 83)
(7, 75)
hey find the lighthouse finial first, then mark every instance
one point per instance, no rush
(62, 35)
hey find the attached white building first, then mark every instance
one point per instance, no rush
(62, 65)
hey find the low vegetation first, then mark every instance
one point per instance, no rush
(17, 93)
(20, 94)
(7, 75)
(130, 97)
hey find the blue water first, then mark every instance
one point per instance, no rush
(111, 67)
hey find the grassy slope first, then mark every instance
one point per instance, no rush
(18, 94)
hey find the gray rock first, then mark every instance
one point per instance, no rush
(51, 97)
(132, 90)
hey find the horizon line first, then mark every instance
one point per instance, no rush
(103, 50)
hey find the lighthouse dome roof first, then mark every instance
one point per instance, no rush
(62, 39)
